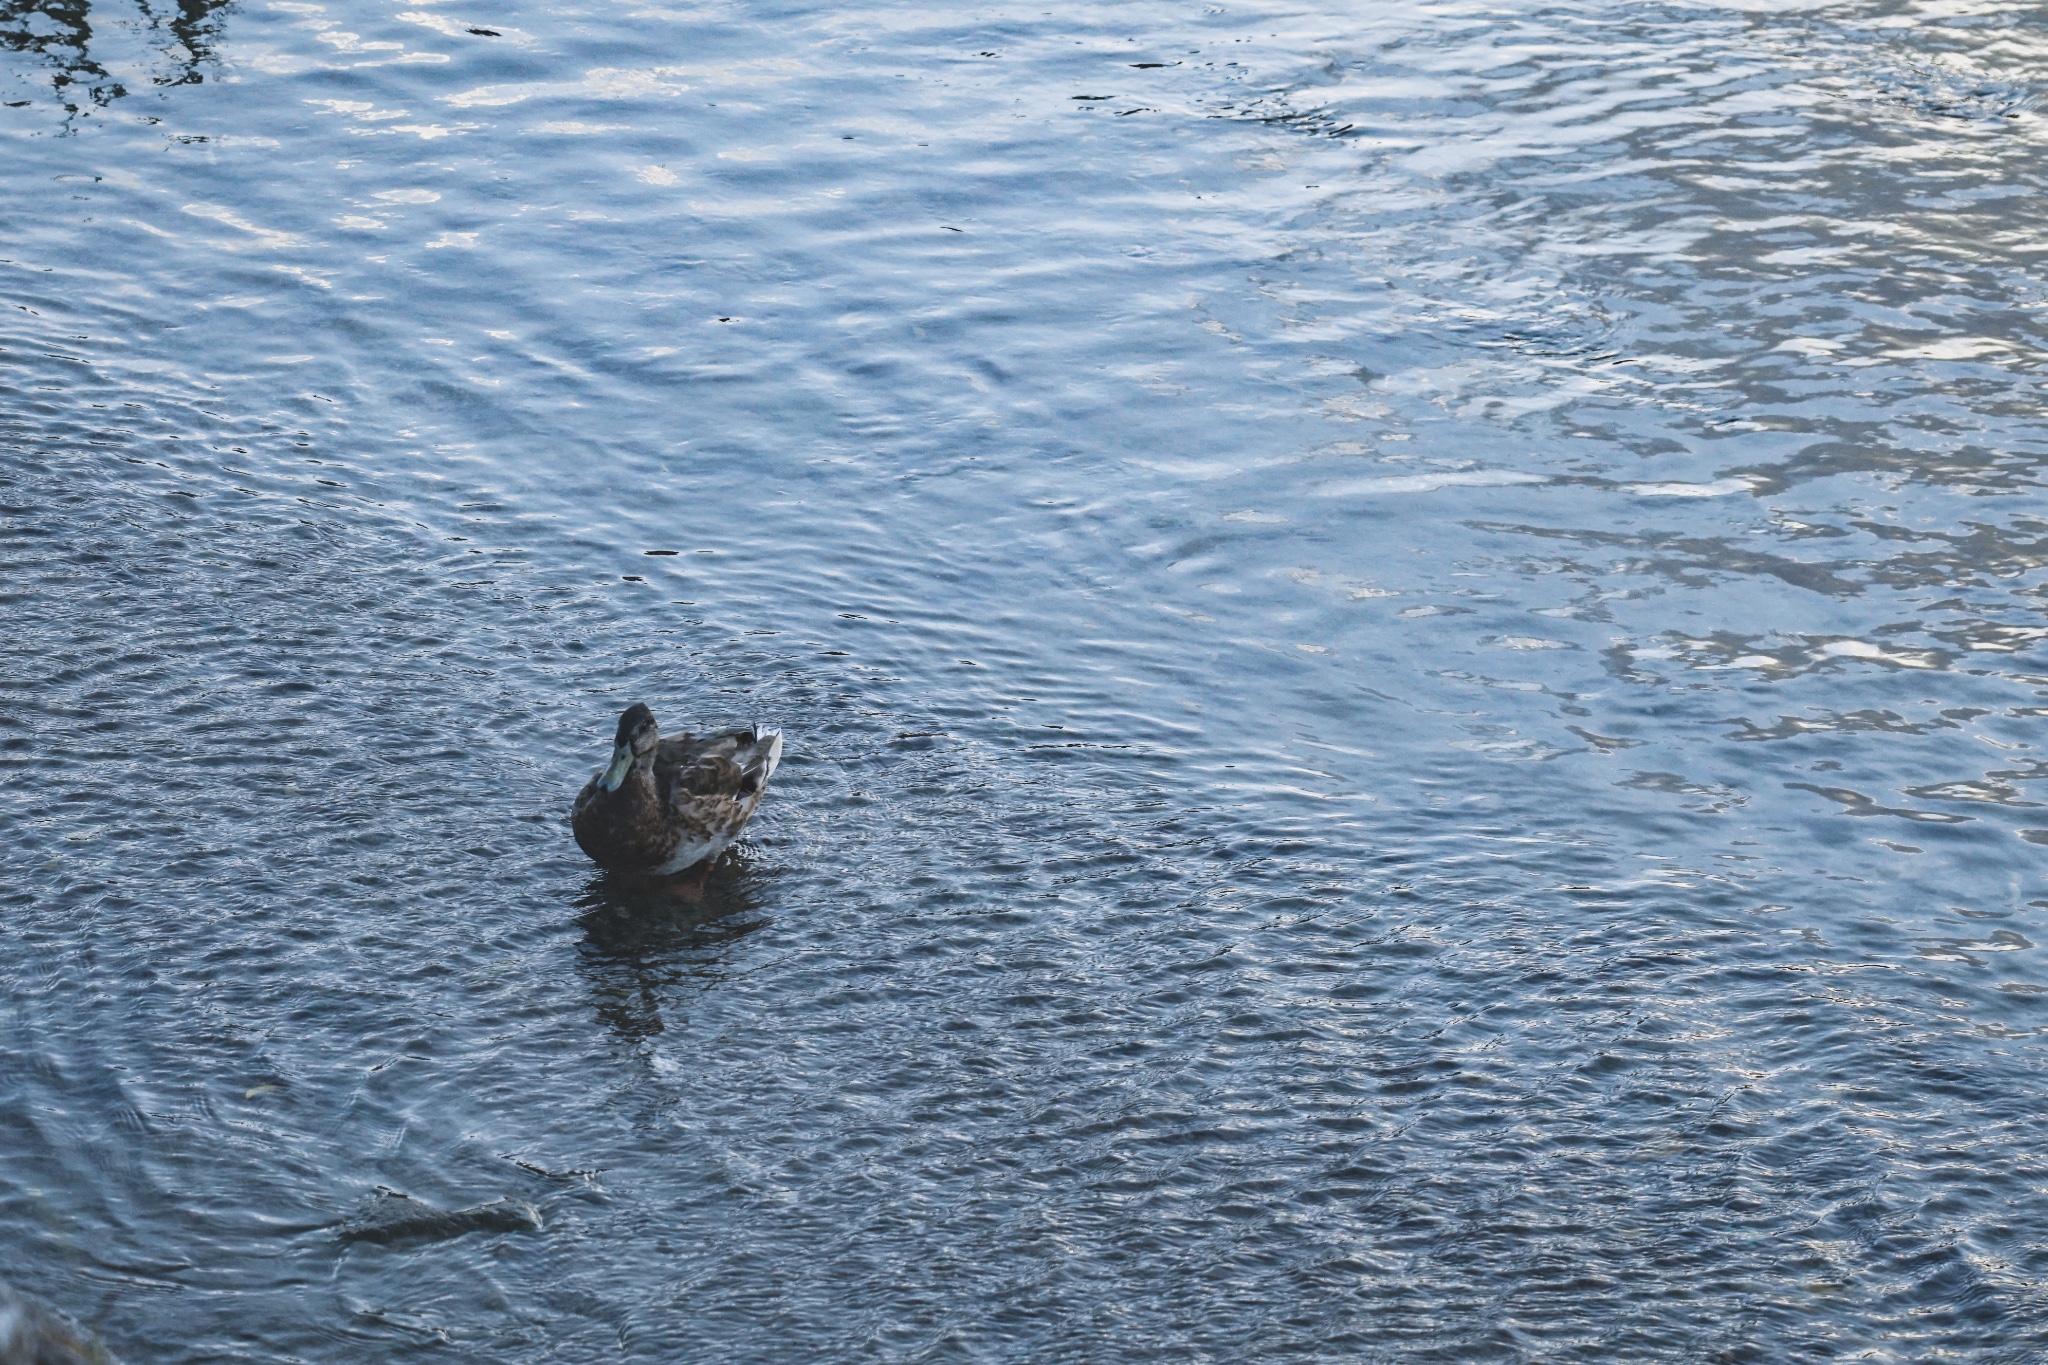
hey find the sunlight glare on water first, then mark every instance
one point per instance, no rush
(1410, 638)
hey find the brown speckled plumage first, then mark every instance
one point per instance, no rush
(681, 802)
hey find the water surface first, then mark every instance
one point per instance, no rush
(1410, 638)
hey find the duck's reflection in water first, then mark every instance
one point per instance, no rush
(650, 942)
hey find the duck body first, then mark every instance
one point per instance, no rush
(667, 804)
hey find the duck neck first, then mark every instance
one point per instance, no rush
(628, 768)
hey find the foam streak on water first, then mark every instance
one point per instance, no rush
(1410, 638)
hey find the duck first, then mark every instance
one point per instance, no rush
(666, 805)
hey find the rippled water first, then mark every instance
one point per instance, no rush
(1411, 638)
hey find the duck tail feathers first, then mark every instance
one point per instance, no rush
(767, 748)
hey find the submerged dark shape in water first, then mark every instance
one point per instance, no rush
(389, 1216)
(31, 1334)
(663, 805)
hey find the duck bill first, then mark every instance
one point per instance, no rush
(622, 763)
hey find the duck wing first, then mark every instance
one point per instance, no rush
(729, 762)
(711, 784)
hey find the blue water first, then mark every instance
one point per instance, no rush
(1410, 639)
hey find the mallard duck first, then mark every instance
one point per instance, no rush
(663, 805)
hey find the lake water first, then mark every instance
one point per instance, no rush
(1411, 638)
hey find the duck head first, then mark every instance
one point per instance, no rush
(635, 741)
